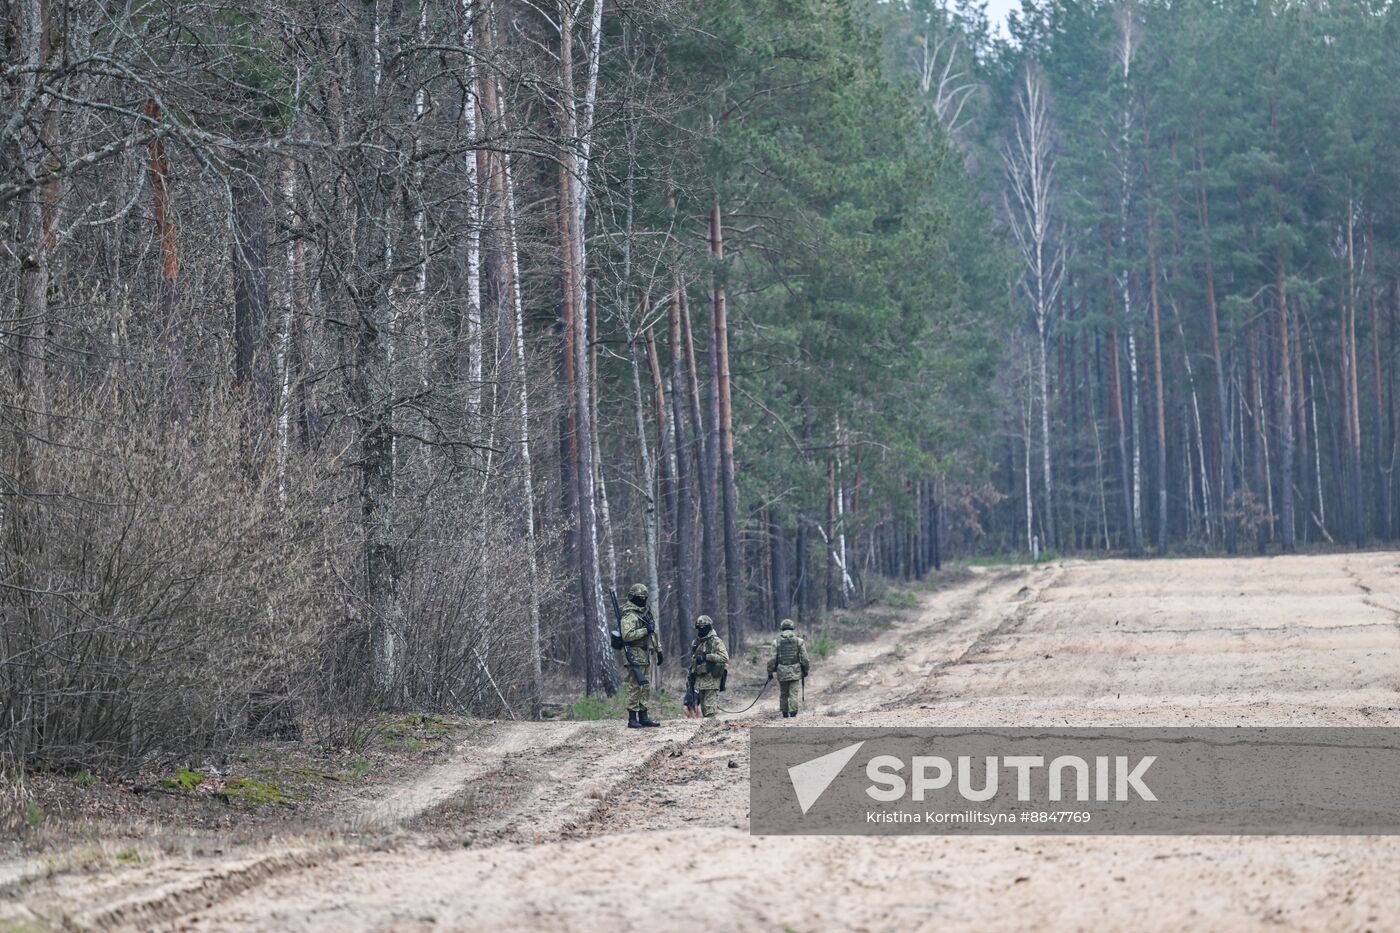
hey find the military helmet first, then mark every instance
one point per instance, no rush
(637, 589)
(788, 624)
(704, 622)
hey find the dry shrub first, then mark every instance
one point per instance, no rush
(155, 582)
(468, 602)
(170, 585)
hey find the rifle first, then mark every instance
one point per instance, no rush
(692, 695)
(626, 648)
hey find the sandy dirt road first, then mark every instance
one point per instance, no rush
(584, 827)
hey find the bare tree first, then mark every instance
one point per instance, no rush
(1125, 51)
(943, 76)
(1030, 169)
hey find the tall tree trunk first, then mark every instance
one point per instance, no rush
(600, 477)
(1030, 168)
(26, 393)
(666, 487)
(1224, 438)
(936, 529)
(1027, 441)
(1115, 409)
(370, 378)
(1306, 478)
(288, 362)
(782, 583)
(600, 665)
(840, 542)
(480, 90)
(1285, 398)
(252, 365)
(527, 473)
(706, 470)
(1126, 49)
(733, 569)
(1379, 441)
(1260, 435)
(803, 584)
(685, 609)
(1136, 410)
(1154, 308)
(830, 561)
(649, 473)
(649, 503)
(163, 211)
(1351, 389)
(1197, 424)
(497, 169)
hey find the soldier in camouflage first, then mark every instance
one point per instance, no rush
(790, 662)
(639, 643)
(708, 659)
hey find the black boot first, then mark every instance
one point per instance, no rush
(632, 720)
(644, 719)
(793, 714)
(785, 714)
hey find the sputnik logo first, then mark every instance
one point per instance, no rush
(811, 778)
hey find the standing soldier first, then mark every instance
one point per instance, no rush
(708, 660)
(791, 664)
(639, 643)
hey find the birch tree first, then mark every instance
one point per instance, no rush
(1030, 169)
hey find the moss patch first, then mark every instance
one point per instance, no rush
(258, 793)
(183, 780)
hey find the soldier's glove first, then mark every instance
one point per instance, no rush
(770, 676)
(660, 657)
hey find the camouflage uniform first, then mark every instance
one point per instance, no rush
(790, 662)
(639, 637)
(708, 658)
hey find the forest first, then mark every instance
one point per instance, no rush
(1203, 203)
(354, 351)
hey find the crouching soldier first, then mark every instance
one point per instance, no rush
(708, 661)
(790, 662)
(639, 643)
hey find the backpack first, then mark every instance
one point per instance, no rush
(789, 651)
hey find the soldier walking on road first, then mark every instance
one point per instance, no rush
(639, 643)
(708, 660)
(790, 662)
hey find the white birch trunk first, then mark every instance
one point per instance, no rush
(847, 586)
(420, 228)
(1126, 49)
(512, 246)
(1030, 167)
(1137, 440)
(286, 303)
(473, 315)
